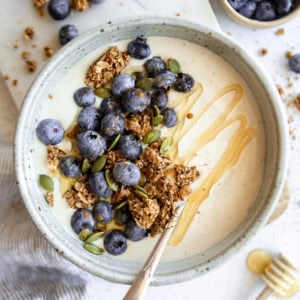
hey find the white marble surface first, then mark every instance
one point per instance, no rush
(231, 281)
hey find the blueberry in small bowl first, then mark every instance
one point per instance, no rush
(126, 173)
(84, 97)
(50, 132)
(103, 212)
(122, 83)
(139, 48)
(99, 185)
(155, 65)
(82, 219)
(110, 105)
(135, 101)
(70, 166)
(115, 242)
(89, 119)
(112, 124)
(130, 146)
(135, 232)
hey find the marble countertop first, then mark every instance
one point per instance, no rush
(232, 280)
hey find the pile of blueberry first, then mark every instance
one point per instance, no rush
(263, 10)
(103, 129)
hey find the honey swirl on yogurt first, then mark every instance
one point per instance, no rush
(238, 142)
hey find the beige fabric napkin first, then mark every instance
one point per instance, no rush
(29, 267)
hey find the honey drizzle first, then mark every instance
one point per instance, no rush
(230, 157)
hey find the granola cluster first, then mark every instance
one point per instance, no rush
(105, 68)
(139, 124)
(80, 5)
(54, 154)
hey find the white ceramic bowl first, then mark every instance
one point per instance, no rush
(276, 148)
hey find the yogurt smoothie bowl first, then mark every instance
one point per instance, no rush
(141, 115)
(150, 128)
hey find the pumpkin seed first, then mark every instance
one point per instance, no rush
(139, 193)
(173, 65)
(46, 183)
(114, 143)
(93, 249)
(84, 234)
(157, 120)
(85, 166)
(145, 83)
(99, 164)
(156, 110)
(139, 75)
(94, 237)
(111, 183)
(102, 92)
(166, 144)
(139, 188)
(151, 136)
(121, 204)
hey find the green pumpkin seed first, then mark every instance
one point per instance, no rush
(111, 183)
(157, 120)
(121, 205)
(156, 110)
(84, 234)
(166, 144)
(139, 193)
(139, 75)
(151, 136)
(115, 142)
(99, 164)
(95, 236)
(102, 92)
(46, 183)
(145, 83)
(93, 249)
(173, 65)
(139, 188)
(85, 166)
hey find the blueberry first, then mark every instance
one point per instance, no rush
(50, 132)
(99, 185)
(294, 63)
(135, 100)
(115, 242)
(155, 65)
(122, 215)
(82, 219)
(126, 173)
(84, 97)
(103, 212)
(70, 166)
(165, 79)
(265, 11)
(59, 9)
(184, 82)
(130, 146)
(112, 124)
(237, 4)
(109, 105)
(91, 144)
(285, 6)
(248, 9)
(89, 119)
(139, 48)
(170, 117)
(160, 99)
(67, 33)
(122, 83)
(135, 232)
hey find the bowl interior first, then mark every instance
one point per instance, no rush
(275, 164)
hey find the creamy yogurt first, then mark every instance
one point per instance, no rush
(232, 196)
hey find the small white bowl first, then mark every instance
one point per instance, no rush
(259, 24)
(276, 148)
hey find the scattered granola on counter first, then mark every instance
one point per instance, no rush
(80, 5)
(48, 51)
(25, 54)
(50, 198)
(29, 34)
(31, 65)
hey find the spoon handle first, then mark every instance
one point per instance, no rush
(143, 279)
(264, 294)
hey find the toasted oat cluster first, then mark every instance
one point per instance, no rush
(139, 124)
(80, 5)
(54, 154)
(108, 65)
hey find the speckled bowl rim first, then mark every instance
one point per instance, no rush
(196, 270)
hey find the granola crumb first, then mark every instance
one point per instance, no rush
(48, 51)
(280, 89)
(31, 65)
(5, 76)
(54, 154)
(288, 54)
(178, 15)
(15, 82)
(80, 5)
(109, 22)
(16, 46)
(40, 6)
(49, 198)
(29, 34)
(50, 96)
(296, 102)
(139, 124)
(189, 115)
(280, 31)
(106, 67)
(79, 194)
(25, 54)
(263, 52)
